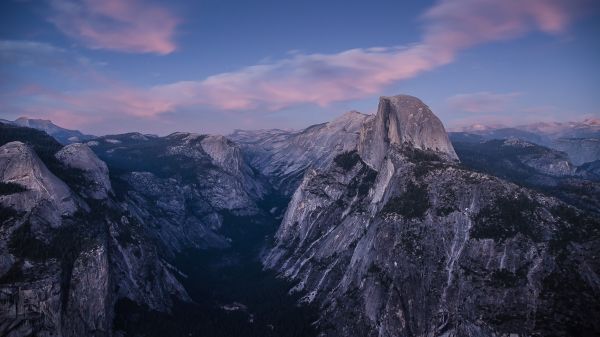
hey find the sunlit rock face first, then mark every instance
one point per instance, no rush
(403, 120)
(399, 239)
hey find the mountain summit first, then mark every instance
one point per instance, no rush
(64, 136)
(403, 120)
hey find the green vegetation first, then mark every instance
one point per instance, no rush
(507, 217)
(347, 160)
(412, 204)
(418, 155)
(362, 183)
(425, 161)
(447, 202)
(494, 158)
(411, 241)
(151, 156)
(574, 227)
(504, 278)
(216, 277)
(374, 268)
(14, 274)
(23, 243)
(11, 188)
(6, 213)
(44, 145)
(566, 294)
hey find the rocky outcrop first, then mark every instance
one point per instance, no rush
(425, 247)
(402, 120)
(542, 160)
(43, 291)
(79, 156)
(20, 165)
(66, 256)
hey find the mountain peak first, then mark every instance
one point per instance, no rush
(403, 120)
(64, 136)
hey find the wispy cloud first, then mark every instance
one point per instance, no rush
(449, 27)
(482, 102)
(32, 53)
(123, 25)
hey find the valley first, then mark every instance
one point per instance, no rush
(376, 225)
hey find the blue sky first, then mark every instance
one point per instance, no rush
(108, 66)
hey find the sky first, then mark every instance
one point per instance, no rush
(212, 66)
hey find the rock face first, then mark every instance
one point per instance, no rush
(79, 156)
(580, 150)
(182, 185)
(284, 156)
(33, 261)
(66, 255)
(20, 165)
(406, 242)
(386, 233)
(402, 120)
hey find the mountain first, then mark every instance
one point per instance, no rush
(69, 249)
(95, 236)
(527, 164)
(64, 136)
(284, 156)
(580, 150)
(182, 183)
(579, 140)
(409, 242)
(588, 128)
(402, 120)
(369, 225)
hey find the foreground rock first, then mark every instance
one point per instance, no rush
(67, 255)
(417, 245)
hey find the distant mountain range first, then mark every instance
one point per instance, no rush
(588, 128)
(64, 136)
(579, 140)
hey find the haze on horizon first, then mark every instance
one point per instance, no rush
(111, 66)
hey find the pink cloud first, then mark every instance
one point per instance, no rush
(123, 25)
(453, 25)
(449, 27)
(482, 102)
(317, 78)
